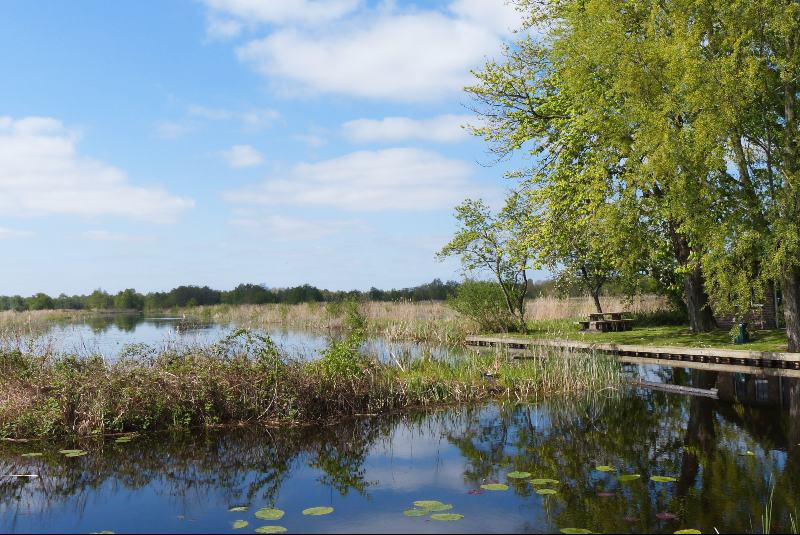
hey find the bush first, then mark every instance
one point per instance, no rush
(484, 303)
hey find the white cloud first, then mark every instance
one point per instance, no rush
(105, 235)
(41, 173)
(242, 156)
(7, 233)
(390, 179)
(227, 18)
(253, 119)
(409, 55)
(171, 129)
(290, 229)
(442, 129)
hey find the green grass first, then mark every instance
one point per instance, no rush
(666, 335)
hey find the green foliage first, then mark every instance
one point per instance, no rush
(484, 303)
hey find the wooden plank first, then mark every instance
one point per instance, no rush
(677, 389)
(737, 354)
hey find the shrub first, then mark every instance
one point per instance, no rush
(484, 303)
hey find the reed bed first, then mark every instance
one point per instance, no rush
(426, 321)
(245, 378)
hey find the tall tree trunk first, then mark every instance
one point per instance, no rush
(701, 318)
(791, 307)
(596, 298)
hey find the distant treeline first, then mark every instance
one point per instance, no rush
(248, 294)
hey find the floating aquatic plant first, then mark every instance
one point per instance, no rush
(494, 486)
(32, 454)
(628, 477)
(688, 531)
(239, 524)
(663, 479)
(518, 475)
(269, 513)
(317, 511)
(545, 481)
(575, 531)
(446, 516)
(238, 509)
(65, 452)
(271, 529)
(546, 492)
(434, 506)
(604, 468)
(416, 512)
(79, 453)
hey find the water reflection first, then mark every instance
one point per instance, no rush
(370, 470)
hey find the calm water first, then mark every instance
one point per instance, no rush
(109, 335)
(371, 470)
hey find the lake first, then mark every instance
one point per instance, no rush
(721, 459)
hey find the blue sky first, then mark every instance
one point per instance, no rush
(155, 143)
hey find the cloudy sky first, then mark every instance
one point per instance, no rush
(164, 142)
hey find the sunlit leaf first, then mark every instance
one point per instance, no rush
(574, 531)
(239, 524)
(628, 477)
(446, 516)
(545, 481)
(688, 531)
(268, 513)
(494, 486)
(432, 505)
(79, 453)
(271, 529)
(317, 511)
(518, 475)
(663, 479)
(32, 454)
(416, 512)
(604, 468)
(546, 492)
(238, 509)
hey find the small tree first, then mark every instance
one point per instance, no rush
(495, 243)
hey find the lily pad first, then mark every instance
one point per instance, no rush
(317, 511)
(66, 452)
(575, 531)
(446, 516)
(271, 529)
(494, 486)
(102, 533)
(604, 468)
(268, 513)
(663, 479)
(416, 512)
(432, 506)
(628, 477)
(32, 454)
(123, 440)
(546, 492)
(79, 453)
(545, 482)
(238, 509)
(518, 475)
(688, 531)
(239, 524)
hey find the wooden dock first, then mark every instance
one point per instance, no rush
(728, 360)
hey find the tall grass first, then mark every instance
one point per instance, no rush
(245, 378)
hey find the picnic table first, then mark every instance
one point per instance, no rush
(606, 321)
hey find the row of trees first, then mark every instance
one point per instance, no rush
(663, 143)
(187, 296)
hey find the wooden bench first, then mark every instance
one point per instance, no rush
(606, 322)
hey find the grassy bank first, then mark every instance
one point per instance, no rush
(245, 378)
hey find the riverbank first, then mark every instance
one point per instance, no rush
(245, 378)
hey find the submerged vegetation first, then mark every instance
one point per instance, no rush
(246, 378)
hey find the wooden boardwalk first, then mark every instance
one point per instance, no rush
(729, 360)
